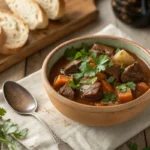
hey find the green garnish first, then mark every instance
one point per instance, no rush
(76, 53)
(134, 146)
(2, 112)
(78, 76)
(108, 97)
(86, 69)
(89, 81)
(8, 131)
(123, 87)
(73, 85)
(70, 53)
(117, 50)
(101, 62)
(111, 79)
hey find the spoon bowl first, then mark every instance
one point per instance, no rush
(19, 98)
(25, 104)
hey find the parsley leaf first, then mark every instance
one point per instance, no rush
(2, 112)
(70, 53)
(123, 87)
(73, 85)
(87, 69)
(101, 62)
(133, 146)
(111, 79)
(78, 55)
(117, 50)
(8, 131)
(131, 85)
(89, 81)
(78, 76)
(108, 97)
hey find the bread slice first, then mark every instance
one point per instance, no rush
(2, 36)
(30, 12)
(54, 8)
(16, 32)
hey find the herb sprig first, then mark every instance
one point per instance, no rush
(108, 97)
(134, 146)
(123, 87)
(111, 80)
(9, 130)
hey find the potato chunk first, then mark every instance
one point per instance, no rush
(123, 57)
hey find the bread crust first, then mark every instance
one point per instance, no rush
(2, 36)
(55, 14)
(61, 11)
(7, 50)
(39, 25)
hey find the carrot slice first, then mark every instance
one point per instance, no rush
(142, 86)
(125, 96)
(101, 76)
(61, 80)
(107, 88)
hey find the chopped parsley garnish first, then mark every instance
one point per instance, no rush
(76, 53)
(73, 85)
(89, 81)
(78, 76)
(109, 97)
(2, 112)
(8, 131)
(101, 62)
(111, 79)
(123, 87)
(70, 53)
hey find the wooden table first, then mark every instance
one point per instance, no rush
(34, 62)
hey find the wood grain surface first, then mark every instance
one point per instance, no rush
(34, 62)
(75, 17)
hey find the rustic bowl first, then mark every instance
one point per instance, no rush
(94, 115)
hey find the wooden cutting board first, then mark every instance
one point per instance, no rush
(78, 13)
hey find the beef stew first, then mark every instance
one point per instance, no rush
(100, 75)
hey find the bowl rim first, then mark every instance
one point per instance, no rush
(75, 104)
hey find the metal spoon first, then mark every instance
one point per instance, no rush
(25, 104)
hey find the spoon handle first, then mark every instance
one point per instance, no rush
(61, 144)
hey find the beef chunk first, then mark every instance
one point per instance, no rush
(71, 68)
(100, 49)
(114, 71)
(92, 92)
(67, 91)
(132, 73)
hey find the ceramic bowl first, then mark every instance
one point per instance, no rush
(94, 115)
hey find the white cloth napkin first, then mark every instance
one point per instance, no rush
(80, 137)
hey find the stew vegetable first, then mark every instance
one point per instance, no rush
(100, 75)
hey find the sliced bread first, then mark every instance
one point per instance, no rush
(30, 12)
(54, 8)
(2, 36)
(16, 32)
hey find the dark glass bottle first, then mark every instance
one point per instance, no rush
(132, 12)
